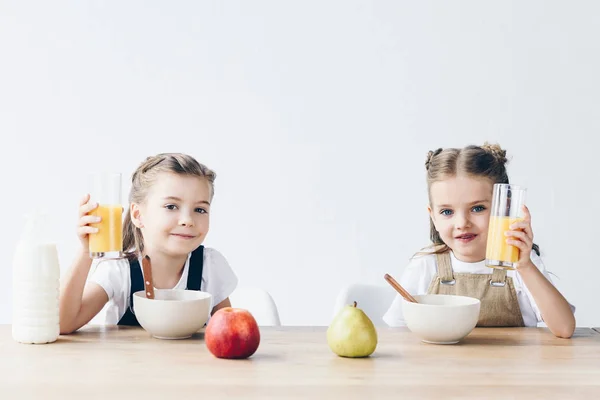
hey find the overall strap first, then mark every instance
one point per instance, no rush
(444, 267)
(498, 277)
(194, 280)
(137, 284)
(137, 279)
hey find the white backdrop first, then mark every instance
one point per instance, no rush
(316, 116)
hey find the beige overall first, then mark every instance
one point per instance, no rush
(499, 304)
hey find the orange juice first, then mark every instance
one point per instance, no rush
(109, 237)
(498, 252)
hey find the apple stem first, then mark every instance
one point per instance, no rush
(354, 305)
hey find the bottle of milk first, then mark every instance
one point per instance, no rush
(35, 289)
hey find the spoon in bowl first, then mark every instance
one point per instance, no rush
(148, 282)
(399, 288)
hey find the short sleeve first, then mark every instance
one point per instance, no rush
(218, 277)
(113, 277)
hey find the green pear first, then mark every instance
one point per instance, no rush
(352, 333)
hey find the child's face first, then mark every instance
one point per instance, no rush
(175, 215)
(460, 210)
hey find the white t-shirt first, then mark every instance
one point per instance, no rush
(421, 270)
(114, 277)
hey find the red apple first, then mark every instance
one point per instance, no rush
(232, 333)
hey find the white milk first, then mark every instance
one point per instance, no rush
(36, 276)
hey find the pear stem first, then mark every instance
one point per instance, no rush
(354, 305)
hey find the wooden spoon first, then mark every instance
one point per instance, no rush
(148, 282)
(399, 289)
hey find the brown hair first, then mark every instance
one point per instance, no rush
(487, 161)
(144, 177)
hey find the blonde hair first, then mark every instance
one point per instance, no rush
(488, 161)
(145, 176)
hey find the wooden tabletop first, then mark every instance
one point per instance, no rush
(295, 362)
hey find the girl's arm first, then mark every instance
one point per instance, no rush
(79, 303)
(554, 308)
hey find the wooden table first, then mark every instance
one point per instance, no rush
(295, 362)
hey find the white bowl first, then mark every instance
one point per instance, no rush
(173, 313)
(441, 319)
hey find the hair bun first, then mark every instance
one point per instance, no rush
(430, 156)
(496, 151)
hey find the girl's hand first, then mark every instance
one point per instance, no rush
(83, 228)
(521, 236)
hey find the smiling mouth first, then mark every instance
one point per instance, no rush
(183, 236)
(466, 237)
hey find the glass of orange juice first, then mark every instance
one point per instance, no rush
(108, 241)
(507, 202)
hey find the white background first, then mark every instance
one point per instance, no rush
(316, 116)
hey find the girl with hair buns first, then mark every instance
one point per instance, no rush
(460, 185)
(167, 220)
